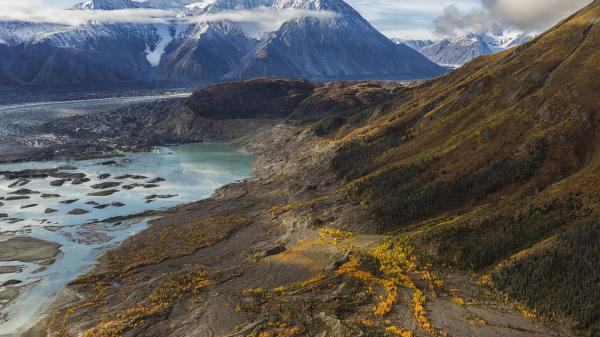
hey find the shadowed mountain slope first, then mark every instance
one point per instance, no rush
(324, 39)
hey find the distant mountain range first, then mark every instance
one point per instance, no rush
(342, 45)
(457, 51)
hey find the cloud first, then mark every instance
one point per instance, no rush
(261, 19)
(410, 19)
(494, 15)
(532, 14)
(36, 11)
(255, 21)
(456, 22)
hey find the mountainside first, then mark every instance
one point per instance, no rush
(460, 50)
(493, 169)
(337, 44)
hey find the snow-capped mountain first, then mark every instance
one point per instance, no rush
(457, 51)
(13, 33)
(206, 41)
(111, 5)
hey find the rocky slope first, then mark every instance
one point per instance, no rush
(315, 40)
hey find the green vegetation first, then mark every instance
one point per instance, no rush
(403, 195)
(560, 276)
(358, 158)
(477, 243)
(493, 169)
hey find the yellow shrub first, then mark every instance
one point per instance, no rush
(398, 332)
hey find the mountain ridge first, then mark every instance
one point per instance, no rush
(456, 51)
(206, 52)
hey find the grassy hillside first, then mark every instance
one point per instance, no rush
(495, 168)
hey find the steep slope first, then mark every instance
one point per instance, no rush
(205, 53)
(342, 47)
(457, 51)
(13, 33)
(493, 168)
(93, 55)
(320, 40)
(346, 48)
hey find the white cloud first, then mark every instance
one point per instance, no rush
(395, 18)
(261, 19)
(532, 14)
(494, 15)
(410, 19)
(38, 12)
(456, 22)
(256, 21)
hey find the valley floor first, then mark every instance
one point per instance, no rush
(280, 254)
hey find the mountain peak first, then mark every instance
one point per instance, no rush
(301, 44)
(212, 6)
(110, 5)
(459, 50)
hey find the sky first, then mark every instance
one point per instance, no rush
(411, 19)
(420, 19)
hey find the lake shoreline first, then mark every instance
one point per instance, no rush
(36, 250)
